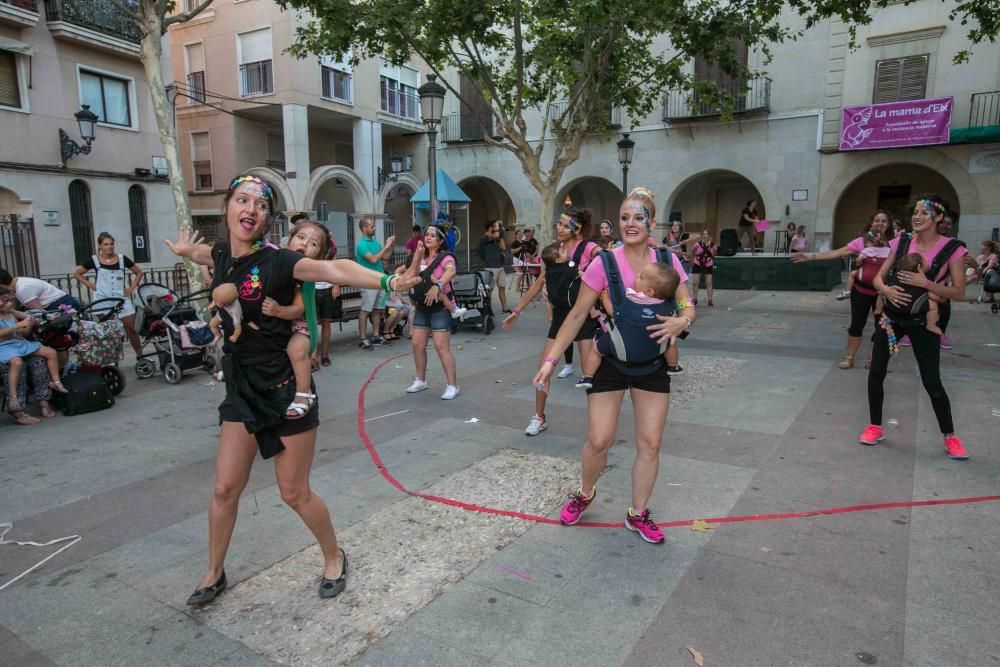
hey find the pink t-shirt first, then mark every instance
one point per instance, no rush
(872, 252)
(857, 245)
(586, 258)
(641, 297)
(597, 280)
(931, 253)
(441, 268)
(704, 257)
(799, 243)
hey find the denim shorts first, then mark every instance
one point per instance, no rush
(435, 320)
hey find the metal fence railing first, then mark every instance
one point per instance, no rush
(103, 16)
(30, 5)
(748, 96)
(173, 277)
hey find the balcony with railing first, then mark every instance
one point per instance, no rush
(97, 23)
(19, 13)
(467, 126)
(749, 97)
(337, 85)
(196, 87)
(558, 109)
(399, 103)
(985, 109)
(256, 79)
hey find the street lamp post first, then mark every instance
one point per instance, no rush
(625, 148)
(431, 110)
(87, 120)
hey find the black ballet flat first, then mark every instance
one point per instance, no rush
(331, 588)
(208, 593)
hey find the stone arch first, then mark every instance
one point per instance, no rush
(405, 178)
(490, 201)
(10, 202)
(772, 205)
(503, 178)
(862, 162)
(601, 195)
(287, 202)
(359, 193)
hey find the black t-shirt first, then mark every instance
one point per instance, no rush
(89, 264)
(744, 214)
(265, 273)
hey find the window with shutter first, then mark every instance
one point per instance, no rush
(10, 90)
(195, 56)
(256, 74)
(201, 159)
(901, 79)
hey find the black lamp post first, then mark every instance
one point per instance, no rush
(87, 120)
(625, 148)
(396, 168)
(431, 110)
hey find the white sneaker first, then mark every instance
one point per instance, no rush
(450, 392)
(418, 385)
(536, 426)
(458, 312)
(566, 371)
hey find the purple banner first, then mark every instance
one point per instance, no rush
(896, 124)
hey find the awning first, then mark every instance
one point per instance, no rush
(447, 191)
(984, 134)
(8, 44)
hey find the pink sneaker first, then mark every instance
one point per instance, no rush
(643, 524)
(905, 341)
(572, 510)
(955, 448)
(871, 435)
(945, 342)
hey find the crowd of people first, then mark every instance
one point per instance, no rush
(623, 298)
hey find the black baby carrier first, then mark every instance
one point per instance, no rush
(632, 350)
(916, 309)
(562, 281)
(419, 291)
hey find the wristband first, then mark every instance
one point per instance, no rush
(927, 283)
(516, 311)
(551, 360)
(685, 317)
(384, 282)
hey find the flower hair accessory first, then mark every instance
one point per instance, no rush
(570, 221)
(267, 192)
(930, 204)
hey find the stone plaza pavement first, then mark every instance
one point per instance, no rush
(761, 423)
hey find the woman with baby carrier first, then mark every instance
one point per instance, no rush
(906, 304)
(639, 368)
(259, 378)
(561, 281)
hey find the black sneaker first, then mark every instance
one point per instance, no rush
(378, 340)
(507, 312)
(586, 382)
(364, 344)
(674, 370)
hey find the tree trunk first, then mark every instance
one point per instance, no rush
(546, 227)
(151, 49)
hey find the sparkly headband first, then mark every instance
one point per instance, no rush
(570, 222)
(268, 191)
(641, 192)
(929, 204)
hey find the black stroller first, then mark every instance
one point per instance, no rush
(180, 339)
(472, 291)
(990, 284)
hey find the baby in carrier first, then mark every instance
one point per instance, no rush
(868, 262)
(922, 304)
(656, 284)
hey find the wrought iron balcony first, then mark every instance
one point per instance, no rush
(19, 13)
(256, 78)
(196, 87)
(753, 96)
(30, 5)
(985, 109)
(467, 126)
(399, 103)
(101, 16)
(557, 109)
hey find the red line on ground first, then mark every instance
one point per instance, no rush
(377, 460)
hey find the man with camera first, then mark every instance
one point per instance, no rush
(491, 250)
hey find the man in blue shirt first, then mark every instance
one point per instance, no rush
(369, 254)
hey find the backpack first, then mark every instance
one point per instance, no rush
(920, 302)
(419, 291)
(562, 281)
(635, 353)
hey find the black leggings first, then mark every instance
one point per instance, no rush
(568, 354)
(927, 350)
(944, 315)
(861, 305)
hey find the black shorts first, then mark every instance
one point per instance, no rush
(229, 412)
(610, 378)
(707, 270)
(324, 305)
(587, 331)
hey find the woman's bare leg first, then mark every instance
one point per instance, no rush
(133, 337)
(602, 423)
(418, 342)
(442, 345)
(650, 410)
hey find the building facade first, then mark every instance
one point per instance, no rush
(781, 147)
(55, 56)
(322, 130)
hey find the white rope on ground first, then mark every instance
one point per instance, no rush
(6, 527)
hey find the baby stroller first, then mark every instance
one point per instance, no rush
(181, 341)
(990, 285)
(95, 334)
(472, 291)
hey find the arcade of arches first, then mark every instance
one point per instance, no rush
(489, 202)
(891, 188)
(602, 197)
